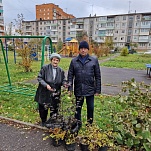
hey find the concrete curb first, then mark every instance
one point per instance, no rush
(23, 123)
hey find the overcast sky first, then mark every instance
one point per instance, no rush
(79, 8)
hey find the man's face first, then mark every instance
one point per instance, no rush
(55, 61)
(83, 51)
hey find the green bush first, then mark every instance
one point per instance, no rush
(124, 51)
(133, 124)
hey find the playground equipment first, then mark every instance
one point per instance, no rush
(9, 87)
(71, 48)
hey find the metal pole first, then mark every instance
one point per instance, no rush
(14, 52)
(43, 48)
(6, 65)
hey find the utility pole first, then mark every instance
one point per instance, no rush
(129, 6)
(92, 9)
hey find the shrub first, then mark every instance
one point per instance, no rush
(133, 124)
(124, 51)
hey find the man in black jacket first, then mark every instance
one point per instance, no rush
(51, 77)
(84, 73)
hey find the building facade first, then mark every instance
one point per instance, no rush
(124, 29)
(1, 19)
(50, 11)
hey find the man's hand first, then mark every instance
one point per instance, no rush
(49, 88)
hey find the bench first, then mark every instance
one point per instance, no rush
(148, 66)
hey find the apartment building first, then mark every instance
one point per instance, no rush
(1, 19)
(124, 29)
(50, 11)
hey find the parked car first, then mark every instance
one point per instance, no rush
(147, 52)
(112, 51)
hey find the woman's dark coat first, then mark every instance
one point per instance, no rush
(45, 77)
(87, 76)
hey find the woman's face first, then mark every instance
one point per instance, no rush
(55, 61)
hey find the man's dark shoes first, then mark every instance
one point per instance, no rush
(76, 127)
(42, 124)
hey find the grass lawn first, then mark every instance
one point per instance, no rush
(132, 61)
(23, 107)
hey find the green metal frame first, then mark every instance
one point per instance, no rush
(12, 89)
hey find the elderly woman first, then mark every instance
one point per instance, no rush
(51, 77)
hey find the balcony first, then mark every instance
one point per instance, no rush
(145, 26)
(1, 18)
(144, 33)
(28, 25)
(143, 39)
(72, 34)
(109, 34)
(102, 35)
(110, 20)
(102, 28)
(28, 29)
(54, 40)
(54, 35)
(1, 11)
(109, 27)
(100, 40)
(54, 24)
(144, 18)
(1, 30)
(1, 23)
(54, 29)
(79, 29)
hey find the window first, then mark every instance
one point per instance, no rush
(103, 18)
(123, 24)
(124, 17)
(117, 18)
(138, 17)
(110, 24)
(103, 25)
(144, 30)
(116, 25)
(123, 31)
(142, 44)
(135, 38)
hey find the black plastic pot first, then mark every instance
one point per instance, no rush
(70, 147)
(56, 143)
(84, 147)
(103, 148)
